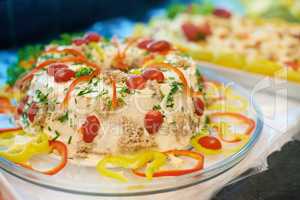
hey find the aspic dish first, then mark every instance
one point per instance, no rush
(216, 35)
(138, 106)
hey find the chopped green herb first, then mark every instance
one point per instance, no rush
(49, 128)
(70, 140)
(43, 98)
(156, 107)
(57, 134)
(86, 90)
(200, 79)
(124, 91)
(175, 86)
(64, 117)
(84, 71)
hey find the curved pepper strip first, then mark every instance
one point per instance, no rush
(22, 153)
(114, 100)
(224, 133)
(222, 103)
(178, 72)
(237, 116)
(131, 162)
(76, 82)
(177, 172)
(52, 61)
(121, 54)
(200, 148)
(71, 51)
(61, 148)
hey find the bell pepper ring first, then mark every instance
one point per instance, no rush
(237, 116)
(62, 150)
(177, 172)
(225, 134)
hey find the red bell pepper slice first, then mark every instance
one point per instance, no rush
(178, 172)
(114, 101)
(238, 116)
(76, 82)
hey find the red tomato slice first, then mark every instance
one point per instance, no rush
(52, 69)
(210, 142)
(154, 74)
(199, 106)
(90, 128)
(32, 111)
(63, 75)
(153, 121)
(190, 31)
(136, 82)
(144, 43)
(159, 46)
(92, 37)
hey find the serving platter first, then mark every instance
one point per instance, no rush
(85, 180)
(256, 81)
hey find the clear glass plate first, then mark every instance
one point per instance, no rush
(85, 180)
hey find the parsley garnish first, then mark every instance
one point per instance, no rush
(86, 90)
(84, 71)
(64, 117)
(200, 80)
(156, 107)
(124, 91)
(57, 134)
(70, 140)
(175, 86)
(43, 98)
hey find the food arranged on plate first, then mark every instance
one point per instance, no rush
(140, 105)
(215, 35)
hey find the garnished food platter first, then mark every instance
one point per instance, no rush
(125, 117)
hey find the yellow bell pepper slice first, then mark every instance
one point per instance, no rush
(21, 153)
(131, 162)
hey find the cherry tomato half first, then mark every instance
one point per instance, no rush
(63, 75)
(153, 121)
(92, 37)
(90, 128)
(199, 106)
(220, 12)
(21, 105)
(154, 74)
(79, 41)
(210, 142)
(144, 43)
(32, 111)
(190, 31)
(136, 82)
(54, 67)
(159, 46)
